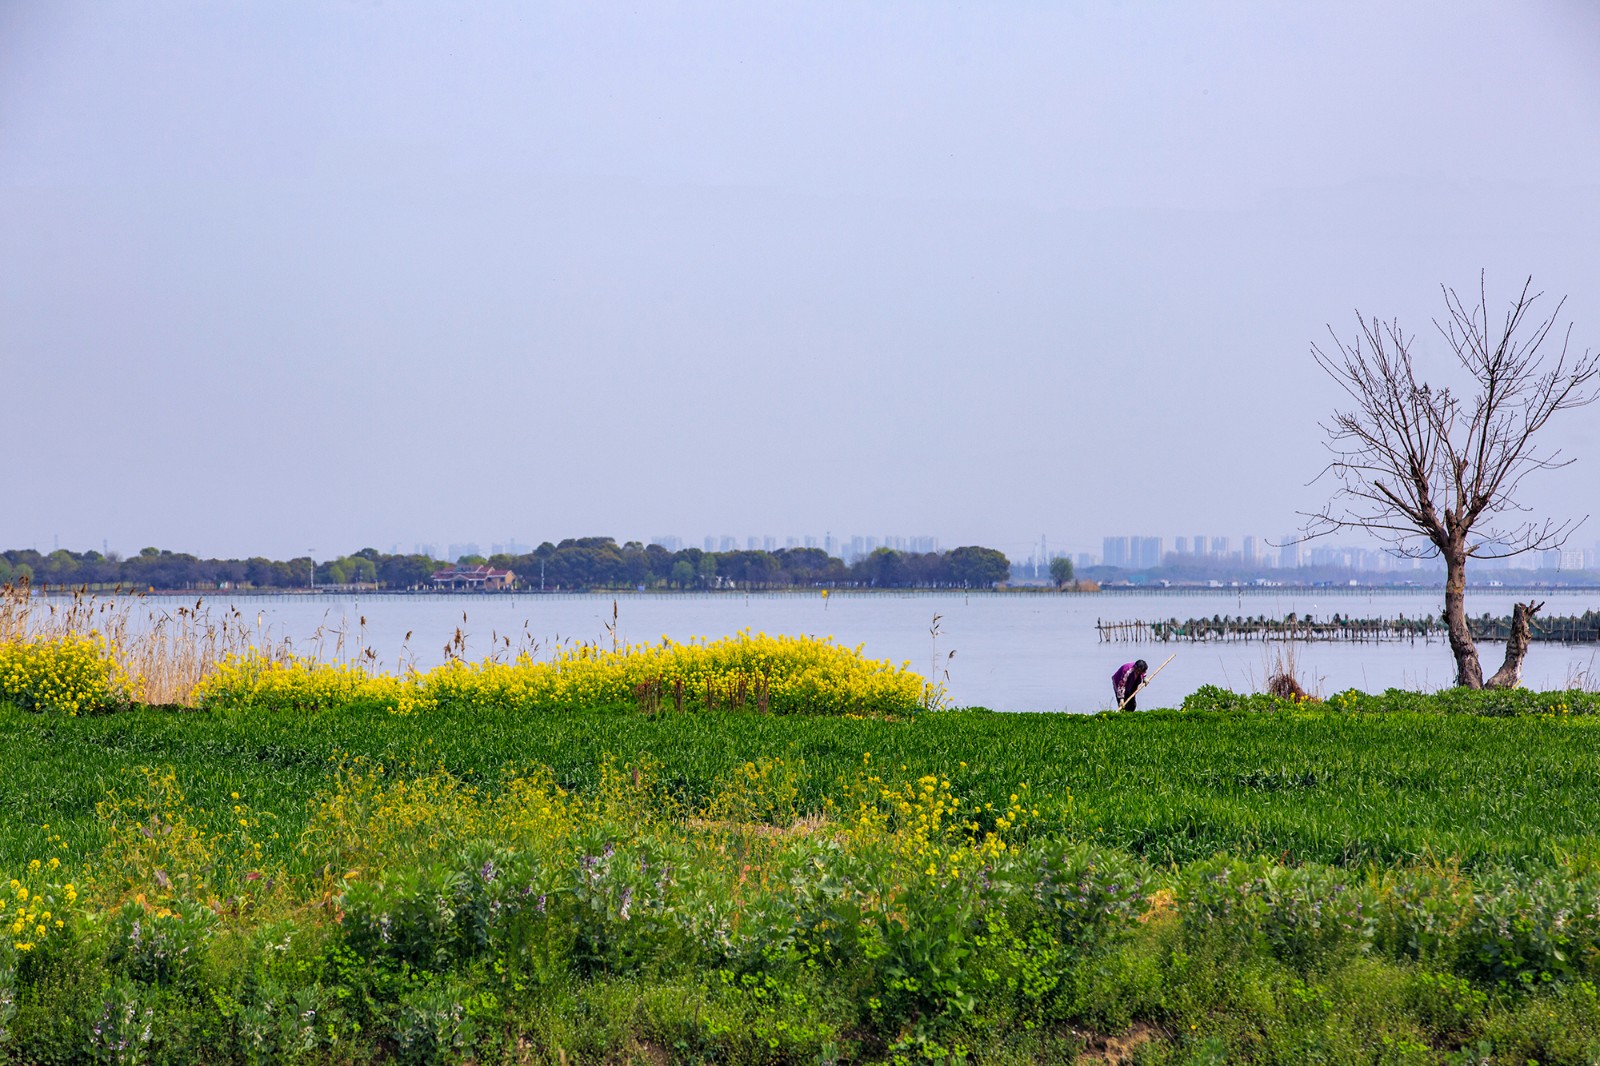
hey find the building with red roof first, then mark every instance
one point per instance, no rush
(474, 579)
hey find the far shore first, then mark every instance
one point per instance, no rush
(1007, 590)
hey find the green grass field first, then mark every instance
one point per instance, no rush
(1169, 786)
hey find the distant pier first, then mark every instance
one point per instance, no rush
(1573, 629)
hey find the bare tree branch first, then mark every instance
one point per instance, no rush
(1426, 471)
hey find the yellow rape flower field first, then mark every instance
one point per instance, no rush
(75, 674)
(779, 675)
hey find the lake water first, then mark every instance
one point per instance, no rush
(1012, 652)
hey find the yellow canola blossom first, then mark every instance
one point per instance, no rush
(779, 675)
(927, 825)
(297, 684)
(63, 675)
(34, 916)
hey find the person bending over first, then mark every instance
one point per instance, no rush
(1126, 681)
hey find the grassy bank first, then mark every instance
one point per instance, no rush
(1410, 887)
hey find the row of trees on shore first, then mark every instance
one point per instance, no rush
(577, 563)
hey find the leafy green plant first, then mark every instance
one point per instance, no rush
(159, 945)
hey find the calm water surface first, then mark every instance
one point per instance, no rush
(1012, 652)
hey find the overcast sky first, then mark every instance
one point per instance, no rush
(277, 276)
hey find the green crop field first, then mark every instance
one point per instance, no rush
(1169, 786)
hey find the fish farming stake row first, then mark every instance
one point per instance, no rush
(1575, 629)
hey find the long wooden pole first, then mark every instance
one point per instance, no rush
(1151, 676)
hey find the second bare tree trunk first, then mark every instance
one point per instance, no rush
(1510, 674)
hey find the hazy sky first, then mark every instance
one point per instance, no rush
(283, 275)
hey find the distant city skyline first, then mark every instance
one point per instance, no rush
(1123, 552)
(1131, 552)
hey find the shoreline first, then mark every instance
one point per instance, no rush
(61, 592)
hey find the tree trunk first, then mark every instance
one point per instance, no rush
(1469, 671)
(1510, 674)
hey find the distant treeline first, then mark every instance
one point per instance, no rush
(579, 563)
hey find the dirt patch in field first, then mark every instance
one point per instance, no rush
(1102, 1050)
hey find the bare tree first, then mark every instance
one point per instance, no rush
(1434, 472)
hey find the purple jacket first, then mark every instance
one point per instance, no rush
(1126, 679)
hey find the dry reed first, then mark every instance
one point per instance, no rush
(165, 651)
(1282, 681)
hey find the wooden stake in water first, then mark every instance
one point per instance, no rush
(1151, 676)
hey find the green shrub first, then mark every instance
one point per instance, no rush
(159, 945)
(1491, 703)
(1299, 914)
(437, 1022)
(1449, 1005)
(1533, 926)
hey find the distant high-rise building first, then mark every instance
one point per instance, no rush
(1086, 560)
(430, 550)
(770, 543)
(671, 543)
(710, 544)
(1349, 558)
(830, 545)
(728, 543)
(1249, 551)
(1180, 546)
(924, 545)
(791, 542)
(1288, 552)
(1145, 552)
(810, 542)
(457, 551)
(1114, 550)
(1199, 545)
(752, 544)
(1219, 546)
